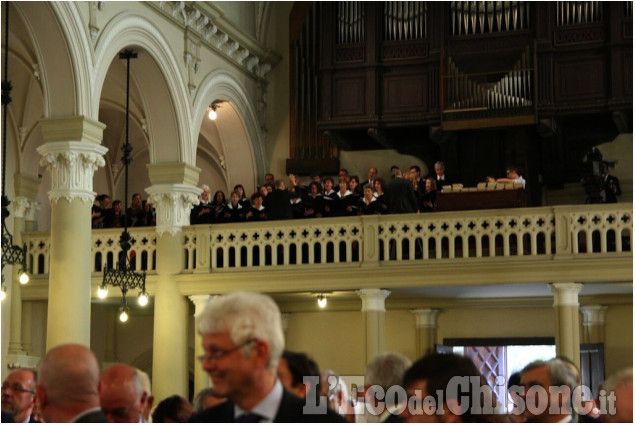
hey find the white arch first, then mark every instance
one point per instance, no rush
(134, 30)
(221, 84)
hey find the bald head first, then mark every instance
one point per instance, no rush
(121, 393)
(67, 382)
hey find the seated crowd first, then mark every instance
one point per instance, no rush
(139, 213)
(256, 380)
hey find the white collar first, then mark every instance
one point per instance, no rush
(268, 406)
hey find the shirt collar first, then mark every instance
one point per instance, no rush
(86, 412)
(269, 405)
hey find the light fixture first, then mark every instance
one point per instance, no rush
(123, 316)
(11, 254)
(123, 276)
(143, 299)
(321, 301)
(211, 109)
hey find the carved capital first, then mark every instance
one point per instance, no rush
(22, 206)
(173, 203)
(72, 166)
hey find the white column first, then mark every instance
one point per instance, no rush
(173, 203)
(565, 305)
(72, 156)
(201, 378)
(593, 323)
(426, 329)
(374, 319)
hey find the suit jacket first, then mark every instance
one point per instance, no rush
(96, 416)
(290, 410)
(280, 205)
(400, 197)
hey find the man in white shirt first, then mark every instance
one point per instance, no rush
(512, 177)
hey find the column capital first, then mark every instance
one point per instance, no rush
(199, 301)
(170, 173)
(593, 314)
(373, 299)
(24, 207)
(565, 293)
(72, 165)
(173, 203)
(425, 317)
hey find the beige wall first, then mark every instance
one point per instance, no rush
(618, 331)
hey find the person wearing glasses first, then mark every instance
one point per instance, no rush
(242, 337)
(67, 385)
(18, 395)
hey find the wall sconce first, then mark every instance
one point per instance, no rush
(321, 300)
(211, 109)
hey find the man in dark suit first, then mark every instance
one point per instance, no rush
(18, 395)
(400, 196)
(243, 341)
(279, 203)
(67, 385)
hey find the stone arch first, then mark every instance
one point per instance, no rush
(237, 123)
(164, 95)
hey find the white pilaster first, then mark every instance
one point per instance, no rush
(426, 329)
(374, 312)
(565, 305)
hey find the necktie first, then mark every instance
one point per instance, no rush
(249, 417)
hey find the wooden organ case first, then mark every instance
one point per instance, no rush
(475, 84)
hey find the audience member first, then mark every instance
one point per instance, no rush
(100, 211)
(18, 395)
(427, 381)
(115, 217)
(512, 177)
(67, 387)
(242, 196)
(516, 414)
(172, 409)
(243, 341)
(394, 170)
(553, 404)
(205, 399)
(121, 393)
(383, 372)
(610, 186)
(146, 407)
(294, 370)
(334, 389)
(620, 385)
(135, 214)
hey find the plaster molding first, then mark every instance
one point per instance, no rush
(373, 299)
(426, 317)
(200, 302)
(593, 314)
(72, 166)
(173, 203)
(565, 294)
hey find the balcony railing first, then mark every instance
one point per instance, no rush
(580, 231)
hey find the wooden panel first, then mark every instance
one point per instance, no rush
(579, 80)
(627, 71)
(348, 95)
(405, 93)
(493, 199)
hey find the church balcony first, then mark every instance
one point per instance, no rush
(576, 243)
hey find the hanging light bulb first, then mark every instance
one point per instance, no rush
(321, 300)
(143, 299)
(212, 112)
(102, 291)
(24, 277)
(3, 293)
(123, 317)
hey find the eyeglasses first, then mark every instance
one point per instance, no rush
(219, 354)
(16, 388)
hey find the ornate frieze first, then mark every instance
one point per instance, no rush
(72, 166)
